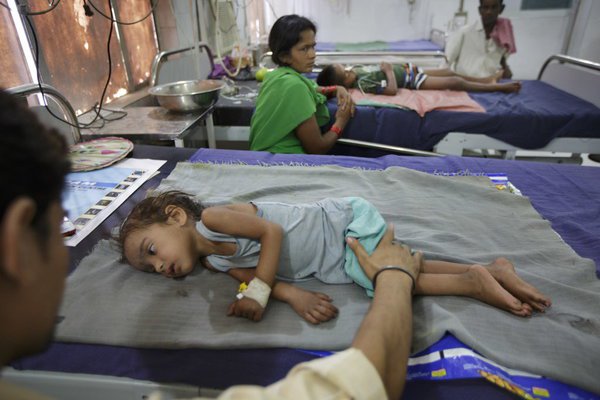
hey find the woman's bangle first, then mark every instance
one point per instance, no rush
(392, 268)
(328, 89)
(337, 130)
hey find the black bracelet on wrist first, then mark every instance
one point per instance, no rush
(393, 268)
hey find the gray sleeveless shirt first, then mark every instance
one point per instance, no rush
(313, 241)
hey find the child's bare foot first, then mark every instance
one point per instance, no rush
(312, 306)
(509, 87)
(487, 289)
(504, 272)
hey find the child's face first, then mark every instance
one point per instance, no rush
(343, 77)
(168, 249)
(302, 55)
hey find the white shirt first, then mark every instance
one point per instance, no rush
(470, 53)
(344, 376)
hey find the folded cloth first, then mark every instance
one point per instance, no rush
(503, 35)
(421, 101)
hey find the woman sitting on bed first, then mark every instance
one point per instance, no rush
(168, 234)
(290, 108)
(388, 78)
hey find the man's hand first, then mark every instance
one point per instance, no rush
(387, 253)
(246, 308)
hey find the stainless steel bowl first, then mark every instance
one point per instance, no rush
(186, 96)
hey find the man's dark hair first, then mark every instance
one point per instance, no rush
(33, 160)
(285, 33)
(327, 76)
(500, 2)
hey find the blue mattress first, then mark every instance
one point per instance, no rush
(398, 45)
(529, 119)
(568, 196)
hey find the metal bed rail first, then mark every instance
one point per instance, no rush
(388, 148)
(60, 100)
(368, 57)
(569, 60)
(164, 56)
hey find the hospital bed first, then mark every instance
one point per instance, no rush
(554, 113)
(579, 131)
(66, 370)
(435, 42)
(427, 53)
(558, 112)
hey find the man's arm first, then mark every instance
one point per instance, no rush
(453, 48)
(507, 71)
(386, 332)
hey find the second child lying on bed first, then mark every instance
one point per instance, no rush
(268, 243)
(388, 78)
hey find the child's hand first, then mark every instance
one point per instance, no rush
(344, 101)
(312, 306)
(246, 308)
(385, 66)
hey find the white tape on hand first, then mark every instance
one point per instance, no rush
(259, 291)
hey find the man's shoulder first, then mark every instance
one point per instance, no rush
(472, 27)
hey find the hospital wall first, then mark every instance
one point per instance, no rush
(539, 33)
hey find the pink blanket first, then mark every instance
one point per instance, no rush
(421, 101)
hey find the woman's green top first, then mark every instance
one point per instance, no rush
(286, 99)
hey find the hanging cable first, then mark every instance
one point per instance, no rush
(39, 77)
(121, 22)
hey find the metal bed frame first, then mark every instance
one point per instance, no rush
(64, 105)
(429, 59)
(207, 116)
(455, 143)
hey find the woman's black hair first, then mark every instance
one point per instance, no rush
(327, 76)
(285, 33)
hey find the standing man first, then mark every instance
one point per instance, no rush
(481, 48)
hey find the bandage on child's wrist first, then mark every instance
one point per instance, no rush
(257, 290)
(329, 89)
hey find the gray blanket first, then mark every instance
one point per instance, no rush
(453, 218)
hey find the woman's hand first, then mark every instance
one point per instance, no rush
(246, 308)
(344, 100)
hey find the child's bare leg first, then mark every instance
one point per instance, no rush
(477, 283)
(457, 83)
(503, 271)
(448, 72)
